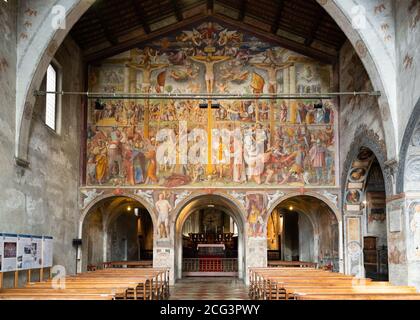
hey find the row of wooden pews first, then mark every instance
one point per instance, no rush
(106, 284)
(297, 283)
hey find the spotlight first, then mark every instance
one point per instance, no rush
(98, 105)
(318, 105)
(291, 208)
(128, 208)
(204, 105)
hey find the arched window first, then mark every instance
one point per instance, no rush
(51, 99)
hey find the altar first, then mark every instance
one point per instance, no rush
(210, 257)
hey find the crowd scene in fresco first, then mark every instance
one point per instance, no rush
(164, 142)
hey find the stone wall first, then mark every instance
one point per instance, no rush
(42, 199)
(408, 56)
(359, 110)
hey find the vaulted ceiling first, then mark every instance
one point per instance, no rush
(113, 26)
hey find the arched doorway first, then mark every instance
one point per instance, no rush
(116, 229)
(366, 220)
(209, 241)
(303, 228)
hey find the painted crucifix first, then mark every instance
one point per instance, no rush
(209, 61)
(272, 69)
(146, 66)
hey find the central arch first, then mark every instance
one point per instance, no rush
(200, 201)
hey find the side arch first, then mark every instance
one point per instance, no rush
(101, 198)
(413, 126)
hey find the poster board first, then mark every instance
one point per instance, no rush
(1, 252)
(24, 252)
(24, 249)
(9, 247)
(37, 252)
(47, 251)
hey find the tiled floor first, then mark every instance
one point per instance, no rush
(209, 288)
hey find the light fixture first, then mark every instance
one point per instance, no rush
(318, 105)
(98, 105)
(210, 205)
(204, 105)
(291, 208)
(128, 208)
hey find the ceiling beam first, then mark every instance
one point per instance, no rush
(141, 15)
(210, 6)
(275, 25)
(318, 20)
(177, 9)
(242, 10)
(281, 41)
(132, 43)
(109, 35)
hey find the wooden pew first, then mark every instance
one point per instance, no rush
(310, 283)
(107, 284)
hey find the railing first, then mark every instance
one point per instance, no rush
(298, 264)
(210, 265)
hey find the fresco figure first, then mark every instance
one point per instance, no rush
(415, 229)
(317, 154)
(163, 208)
(209, 62)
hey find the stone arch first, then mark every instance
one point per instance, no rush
(90, 208)
(101, 198)
(412, 130)
(366, 138)
(333, 207)
(179, 220)
(377, 59)
(33, 61)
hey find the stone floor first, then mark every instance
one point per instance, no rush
(209, 288)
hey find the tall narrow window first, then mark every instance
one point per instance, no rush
(51, 99)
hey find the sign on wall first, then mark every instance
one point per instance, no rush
(47, 251)
(23, 252)
(9, 244)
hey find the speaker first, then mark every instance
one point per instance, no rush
(77, 242)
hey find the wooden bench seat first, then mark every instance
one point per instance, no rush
(309, 283)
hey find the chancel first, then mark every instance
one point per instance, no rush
(209, 149)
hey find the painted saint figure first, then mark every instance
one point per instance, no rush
(163, 208)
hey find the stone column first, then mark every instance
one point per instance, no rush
(353, 240)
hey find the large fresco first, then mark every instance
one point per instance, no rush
(171, 143)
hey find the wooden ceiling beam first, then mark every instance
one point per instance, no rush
(177, 9)
(132, 43)
(315, 27)
(275, 25)
(281, 41)
(242, 10)
(107, 30)
(210, 6)
(141, 16)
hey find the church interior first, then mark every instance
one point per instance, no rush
(209, 149)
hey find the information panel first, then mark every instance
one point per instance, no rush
(23, 252)
(9, 242)
(47, 251)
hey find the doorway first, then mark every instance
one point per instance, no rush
(209, 239)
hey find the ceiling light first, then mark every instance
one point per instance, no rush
(128, 208)
(291, 208)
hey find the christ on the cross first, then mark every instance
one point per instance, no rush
(272, 69)
(209, 62)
